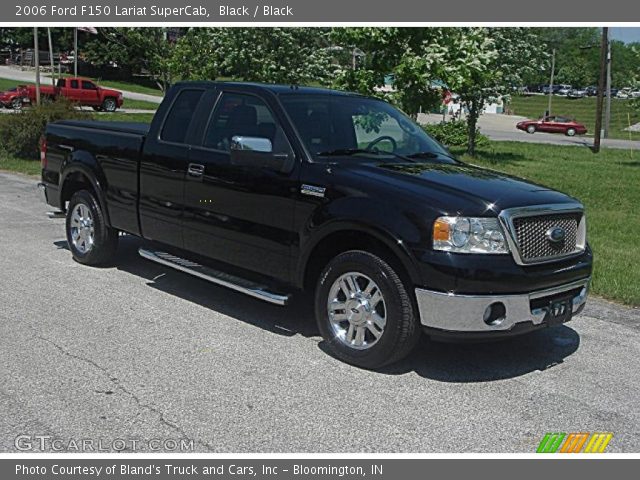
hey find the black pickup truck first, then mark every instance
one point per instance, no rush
(271, 190)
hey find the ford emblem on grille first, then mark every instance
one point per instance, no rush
(556, 234)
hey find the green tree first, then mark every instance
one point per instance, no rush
(140, 50)
(273, 55)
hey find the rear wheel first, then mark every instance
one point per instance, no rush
(16, 104)
(91, 240)
(364, 311)
(571, 132)
(109, 104)
(531, 129)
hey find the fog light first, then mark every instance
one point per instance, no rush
(494, 314)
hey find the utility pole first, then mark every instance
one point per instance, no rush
(53, 67)
(37, 63)
(607, 113)
(601, 86)
(75, 51)
(553, 69)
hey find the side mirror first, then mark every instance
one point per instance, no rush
(254, 144)
(258, 152)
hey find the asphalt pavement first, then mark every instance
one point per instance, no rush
(139, 351)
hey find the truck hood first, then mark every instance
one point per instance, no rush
(461, 187)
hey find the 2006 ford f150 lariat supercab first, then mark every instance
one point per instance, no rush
(269, 190)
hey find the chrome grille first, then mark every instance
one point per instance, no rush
(532, 239)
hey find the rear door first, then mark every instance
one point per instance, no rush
(242, 215)
(72, 90)
(164, 166)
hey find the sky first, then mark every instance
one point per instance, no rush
(626, 34)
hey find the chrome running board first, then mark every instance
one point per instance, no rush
(214, 276)
(56, 214)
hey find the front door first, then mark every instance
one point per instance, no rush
(238, 214)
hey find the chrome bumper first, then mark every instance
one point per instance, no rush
(464, 313)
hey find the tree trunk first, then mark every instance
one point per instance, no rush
(472, 122)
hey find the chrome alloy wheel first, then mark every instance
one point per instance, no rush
(357, 311)
(82, 232)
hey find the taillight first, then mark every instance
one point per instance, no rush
(43, 152)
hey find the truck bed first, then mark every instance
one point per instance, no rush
(138, 128)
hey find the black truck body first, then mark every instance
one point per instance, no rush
(274, 189)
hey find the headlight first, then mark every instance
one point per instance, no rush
(468, 235)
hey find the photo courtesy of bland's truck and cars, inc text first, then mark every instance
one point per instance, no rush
(337, 241)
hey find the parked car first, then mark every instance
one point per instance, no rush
(553, 124)
(81, 91)
(563, 90)
(271, 190)
(14, 98)
(592, 91)
(577, 93)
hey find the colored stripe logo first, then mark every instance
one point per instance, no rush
(574, 442)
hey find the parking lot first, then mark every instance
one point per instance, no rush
(137, 351)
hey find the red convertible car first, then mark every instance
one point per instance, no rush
(553, 124)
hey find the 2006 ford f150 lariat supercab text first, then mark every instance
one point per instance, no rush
(271, 190)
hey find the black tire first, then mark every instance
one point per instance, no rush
(109, 104)
(571, 132)
(402, 330)
(16, 104)
(105, 238)
(531, 129)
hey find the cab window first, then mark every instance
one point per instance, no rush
(178, 120)
(243, 115)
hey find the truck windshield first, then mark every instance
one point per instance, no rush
(336, 125)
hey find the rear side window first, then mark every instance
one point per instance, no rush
(74, 83)
(179, 118)
(61, 83)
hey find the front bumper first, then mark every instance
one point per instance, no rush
(444, 314)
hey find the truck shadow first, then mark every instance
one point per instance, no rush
(444, 362)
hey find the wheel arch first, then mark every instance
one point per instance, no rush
(342, 237)
(79, 173)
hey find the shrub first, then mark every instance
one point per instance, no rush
(20, 132)
(454, 133)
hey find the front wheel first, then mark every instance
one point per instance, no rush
(16, 104)
(531, 129)
(91, 240)
(109, 105)
(364, 312)
(571, 132)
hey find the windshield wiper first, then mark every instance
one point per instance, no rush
(355, 151)
(347, 151)
(430, 155)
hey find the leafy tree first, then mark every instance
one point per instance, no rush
(476, 63)
(137, 49)
(274, 55)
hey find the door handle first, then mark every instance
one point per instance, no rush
(195, 170)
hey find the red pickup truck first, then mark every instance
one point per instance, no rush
(82, 91)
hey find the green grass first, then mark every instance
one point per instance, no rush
(19, 165)
(608, 184)
(582, 109)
